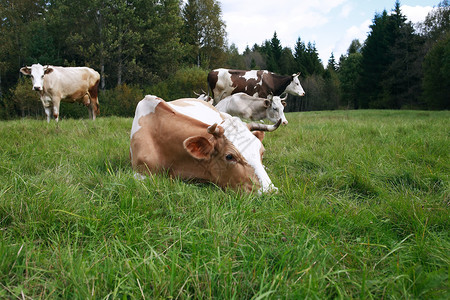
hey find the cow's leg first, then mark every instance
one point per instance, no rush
(93, 108)
(56, 103)
(87, 101)
(48, 112)
(46, 103)
(93, 95)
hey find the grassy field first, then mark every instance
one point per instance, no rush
(363, 212)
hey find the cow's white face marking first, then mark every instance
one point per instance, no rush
(37, 77)
(224, 86)
(295, 88)
(145, 106)
(249, 146)
(37, 72)
(276, 111)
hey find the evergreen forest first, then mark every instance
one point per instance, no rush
(167, 48)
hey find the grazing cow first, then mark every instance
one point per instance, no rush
(254, 108)
(190, 139)
(56, 84)
(258, 83)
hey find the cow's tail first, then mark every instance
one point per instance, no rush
(93, 92)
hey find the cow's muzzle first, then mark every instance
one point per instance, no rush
(37, 88)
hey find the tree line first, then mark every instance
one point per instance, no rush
(167, 47)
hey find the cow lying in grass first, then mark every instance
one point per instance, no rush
(191, 139)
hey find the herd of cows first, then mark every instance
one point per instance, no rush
(202, 138)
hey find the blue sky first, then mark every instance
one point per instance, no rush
(331, 24)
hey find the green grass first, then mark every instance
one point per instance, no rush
(362, 212)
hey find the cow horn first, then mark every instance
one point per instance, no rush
(285, 97)
(263, 127)
(204, 92)
(215, 130)
(196, 94)
(212, 128)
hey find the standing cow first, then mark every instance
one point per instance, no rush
(56, 84)
(254, 108)
(258, 83)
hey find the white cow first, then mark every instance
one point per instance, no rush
(254, 108)
(56, 84)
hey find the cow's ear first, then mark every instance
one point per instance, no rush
(267, 103)
(198, 147)
(259, 135)
(48, 70)
(284, 103)
(25, 70)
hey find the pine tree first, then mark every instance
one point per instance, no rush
(349, 74)
(436, 65)
(436, 80)
(375, 61)
(300, 56)
(332, 65)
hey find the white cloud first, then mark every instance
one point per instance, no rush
(354, 32)
(346, 10)
(415, 13)
(248, 23)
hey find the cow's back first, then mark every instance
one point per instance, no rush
(72, 82)
(226, 82)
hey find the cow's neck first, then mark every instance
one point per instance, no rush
(279, 83)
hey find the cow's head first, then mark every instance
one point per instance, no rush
(295, 88)
(275, 109)
(37, 72)
(233, 156)
(204, 97)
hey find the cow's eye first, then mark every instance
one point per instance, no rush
(229, 157)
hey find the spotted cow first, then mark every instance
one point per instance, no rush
(257, 83)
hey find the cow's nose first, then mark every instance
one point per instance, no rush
(36, 88)
(285, 122)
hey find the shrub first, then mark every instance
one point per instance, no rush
(25, 101)
(120, 101)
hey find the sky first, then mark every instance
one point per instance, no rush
(330, 24)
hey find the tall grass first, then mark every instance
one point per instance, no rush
(362, 212)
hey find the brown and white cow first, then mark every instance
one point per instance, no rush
(190, 139)
(254, 108)
(257, 83)
(56, 84)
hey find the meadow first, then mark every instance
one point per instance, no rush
(363, 211)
